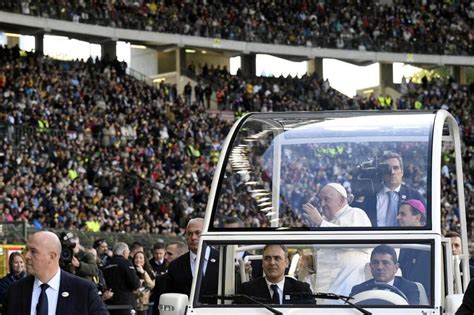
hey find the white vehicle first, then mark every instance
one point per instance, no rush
(274, 163)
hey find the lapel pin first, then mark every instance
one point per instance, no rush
(65, 294)
(404, 197)
(213, 260)
(287, 297)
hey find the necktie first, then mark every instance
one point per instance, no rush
(42, 306)
(276, 295)
(392, 209)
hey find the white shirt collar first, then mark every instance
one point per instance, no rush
(280, 284)
(386, 189)
(193, 256)
(390, 282)
(53, 283)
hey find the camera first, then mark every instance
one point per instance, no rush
(368, 176)
(67, 249)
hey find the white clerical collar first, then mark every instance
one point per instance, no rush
(53, 283)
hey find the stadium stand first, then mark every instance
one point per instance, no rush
(430, 27)
(87, 147)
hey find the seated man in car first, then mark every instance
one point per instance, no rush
(384, 266)
(274, 287)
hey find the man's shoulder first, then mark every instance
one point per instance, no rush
(410, 192)
(400, 281)
(253, 283)
(26, 281)
(294, 281)
(75, 280)
(179, 261)
(363, 284)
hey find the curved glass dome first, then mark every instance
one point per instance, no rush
(277, 167)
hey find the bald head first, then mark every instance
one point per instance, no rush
(42, 256)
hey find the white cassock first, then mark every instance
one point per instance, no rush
(339, 269)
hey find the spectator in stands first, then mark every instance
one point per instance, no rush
(443, 29)
(16, 267)
(121, 278)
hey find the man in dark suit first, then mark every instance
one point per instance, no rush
(467, 306)
(274, 287)
(382, 207)
(48, 289)
(182, 270)
(384, 266)
(121, 277)
(157, 262)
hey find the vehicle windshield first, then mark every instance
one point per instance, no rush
(330, 171)
(372, 273)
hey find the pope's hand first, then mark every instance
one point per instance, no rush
(312, 214)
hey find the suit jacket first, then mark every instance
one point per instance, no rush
(467, 306)
(76, 296)
(416, 266)
(258, 288)
(369, 204)
(179, 277)
(408, 288)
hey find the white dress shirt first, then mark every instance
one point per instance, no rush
(52, 293)
(193, 258)
(280, 285)
(382, 205)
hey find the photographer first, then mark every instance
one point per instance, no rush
(382, 206)
(75, 260)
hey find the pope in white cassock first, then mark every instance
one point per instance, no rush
(337, 270)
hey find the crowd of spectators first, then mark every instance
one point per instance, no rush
(267, 94)
(86, 146)
(432, 27)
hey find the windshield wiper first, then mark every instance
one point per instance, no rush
(234, 297)
(332, 296)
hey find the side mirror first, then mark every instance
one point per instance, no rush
(173, 304)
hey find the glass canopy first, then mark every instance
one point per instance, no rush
(330, 170)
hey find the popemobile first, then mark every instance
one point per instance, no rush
(332, 213)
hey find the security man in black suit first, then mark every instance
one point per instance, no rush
(384, 266)
(48, 289)
(274, 287)
(382, 208)
(182, 270)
